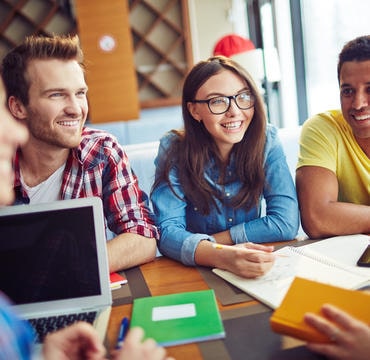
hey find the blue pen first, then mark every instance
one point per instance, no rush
(122, 332)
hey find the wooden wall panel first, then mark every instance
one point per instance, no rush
(105, 35)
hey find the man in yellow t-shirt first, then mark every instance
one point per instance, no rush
(333, 171)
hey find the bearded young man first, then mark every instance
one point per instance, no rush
(63, 159)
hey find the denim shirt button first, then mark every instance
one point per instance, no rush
(230, 219)
(228, 194)
(195, 209)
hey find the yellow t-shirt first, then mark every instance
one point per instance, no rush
(327, 141)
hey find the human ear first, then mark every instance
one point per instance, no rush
(193, 109)
(16, 107)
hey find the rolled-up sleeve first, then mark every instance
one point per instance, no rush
(125, 204)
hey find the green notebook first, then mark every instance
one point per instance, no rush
(179, 318)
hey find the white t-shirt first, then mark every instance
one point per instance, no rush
(46, 191)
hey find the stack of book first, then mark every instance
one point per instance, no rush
(116, 280)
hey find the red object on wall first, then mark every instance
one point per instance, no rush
(232, 44)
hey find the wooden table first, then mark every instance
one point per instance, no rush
(165, 276)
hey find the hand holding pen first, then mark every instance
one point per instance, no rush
(247, 260)
(130, 345)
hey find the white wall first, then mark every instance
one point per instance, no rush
(212, 19)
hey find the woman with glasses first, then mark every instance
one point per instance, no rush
(212, 176)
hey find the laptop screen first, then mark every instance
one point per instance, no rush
(49, 255)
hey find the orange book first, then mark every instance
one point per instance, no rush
(309, 296)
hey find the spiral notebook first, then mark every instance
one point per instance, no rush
(331, 261)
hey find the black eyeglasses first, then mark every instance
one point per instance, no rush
(221, 104)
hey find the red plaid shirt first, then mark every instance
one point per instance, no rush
(100, 167)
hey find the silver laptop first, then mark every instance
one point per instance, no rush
(53, 263)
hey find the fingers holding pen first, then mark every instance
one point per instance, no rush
(247, 260)
(136, 348)
(253, 264)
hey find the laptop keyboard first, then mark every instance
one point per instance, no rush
(43, 326)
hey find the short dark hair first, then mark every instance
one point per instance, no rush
(14, 64)
(357, 49)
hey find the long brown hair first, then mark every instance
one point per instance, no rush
(194, 146)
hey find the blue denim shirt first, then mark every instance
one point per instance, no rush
(182, 227)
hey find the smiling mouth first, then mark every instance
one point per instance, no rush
(232, 125)
(361, 117)
(69, 123)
